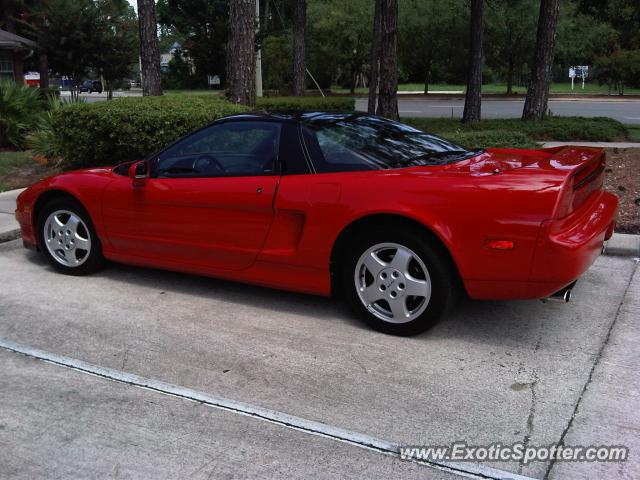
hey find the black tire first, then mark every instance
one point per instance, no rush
(437, 262)
(94, 260)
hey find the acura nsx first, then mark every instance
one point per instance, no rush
(394, 220)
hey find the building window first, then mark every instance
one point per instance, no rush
(6, 66)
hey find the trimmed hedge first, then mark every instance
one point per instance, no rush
(599, 129)
(306, 103)
(108, 133)
(491, 138)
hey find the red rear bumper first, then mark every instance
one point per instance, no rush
(565, 249)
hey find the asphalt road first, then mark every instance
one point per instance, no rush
(491, 372)
(625, 112)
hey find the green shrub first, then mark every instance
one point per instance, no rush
(45, 140)
(107, 133)
(306, 103)
(20, 109)
(599, 129)
(491, 138)
(49, 92)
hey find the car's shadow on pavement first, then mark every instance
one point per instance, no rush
(216, 289)
(494, 322)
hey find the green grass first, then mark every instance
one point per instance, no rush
(11, 160)
(634, 132)
(194, 92)
(518, 134)
(590, 88)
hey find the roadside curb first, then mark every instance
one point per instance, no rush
(623, 245)
(10, 235)
(577, 143)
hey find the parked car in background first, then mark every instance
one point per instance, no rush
(91, 86)
(393, 219)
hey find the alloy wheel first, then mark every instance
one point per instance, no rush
(392, 282)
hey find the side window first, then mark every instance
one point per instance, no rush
(338, 150)
(227, 149)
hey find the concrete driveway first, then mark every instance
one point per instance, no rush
(192, 377)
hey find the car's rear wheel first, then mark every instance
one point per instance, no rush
(67, 238)
(397, 281)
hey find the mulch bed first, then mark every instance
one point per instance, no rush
(622, 177)
(25, 175)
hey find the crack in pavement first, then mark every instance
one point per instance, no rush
(593, 368)
(530, 417)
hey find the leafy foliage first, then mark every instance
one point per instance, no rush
(68, 36)
(339, 41)
(305, 103)
(117, 38)
(82, 36)
(510, 38)
(202, 27)
(107, 133)
(433, 40)
(491, 139)
(277, 64)
(618, 71)
(553, 128)
(45, 140)
(20, 108)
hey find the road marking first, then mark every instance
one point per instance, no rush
(300, 424)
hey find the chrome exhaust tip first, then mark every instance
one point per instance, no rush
(561, 296)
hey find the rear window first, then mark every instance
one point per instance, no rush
(361, 142)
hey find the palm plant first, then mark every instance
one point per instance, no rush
(20, 109)
(45, 140)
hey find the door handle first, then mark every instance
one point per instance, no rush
(259, 190)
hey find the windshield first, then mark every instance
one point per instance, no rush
(361, 142)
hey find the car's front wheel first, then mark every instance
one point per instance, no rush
(67, 238)
(397, 281)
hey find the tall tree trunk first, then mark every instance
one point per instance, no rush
(375, 58)
(241, 69)
(510, 76)
(149, 49)
(535, 105)
(264, 23)
(388, 98)
(299, 46)
(473, 97)
(43, 67)
(427, 75)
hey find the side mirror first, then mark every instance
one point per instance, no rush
(139, 172)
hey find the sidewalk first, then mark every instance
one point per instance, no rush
(594, 144)
(9, 228)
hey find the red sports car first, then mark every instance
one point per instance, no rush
(392, 218)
